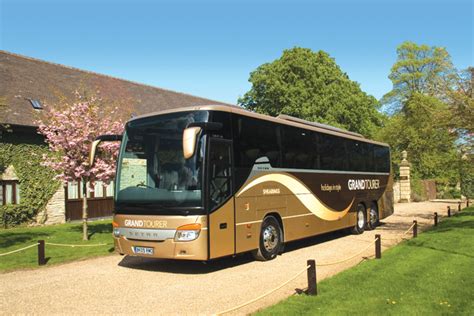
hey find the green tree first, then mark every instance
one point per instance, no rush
(467, 175)
(460, 98)
(430, 145)
(310, 85)
(418, 69)
(421, 116)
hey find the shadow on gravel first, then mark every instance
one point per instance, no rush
(311, 241)
(183, 266)
(394, 226)
(423, 215)
(200, 267)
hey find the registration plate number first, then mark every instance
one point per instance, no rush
(143, 250)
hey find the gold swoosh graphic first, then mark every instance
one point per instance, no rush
(306, 197)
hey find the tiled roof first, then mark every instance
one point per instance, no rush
(23, 78)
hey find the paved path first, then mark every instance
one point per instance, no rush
(126, 285)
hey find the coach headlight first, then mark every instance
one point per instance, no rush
(116, 230)
(187, 232)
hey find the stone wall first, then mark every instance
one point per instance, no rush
(55, 210)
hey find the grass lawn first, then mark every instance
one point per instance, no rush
(15, 238)
(432, 274)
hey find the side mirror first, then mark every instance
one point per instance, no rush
(97, 141)
(189, 141)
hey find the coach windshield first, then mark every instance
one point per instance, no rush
(153, 172)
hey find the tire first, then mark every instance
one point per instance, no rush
(359, 227)
(270, 240)
(373, 220)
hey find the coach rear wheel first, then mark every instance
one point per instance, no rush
(271, 240)
(360, 220)
(373, 217)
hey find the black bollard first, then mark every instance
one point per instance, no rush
(449, 211)
(41, 253)
(415, 229)
(378, 246)
(459, 206)
(436, 218)
(312, 283)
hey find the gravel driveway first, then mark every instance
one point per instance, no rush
(126, 285)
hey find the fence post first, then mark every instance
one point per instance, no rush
(378, 246)
(41, 253)
(449, 211)
(459, 206)
(467, 202)
(415, 228)
(436, 218)
(312, 285)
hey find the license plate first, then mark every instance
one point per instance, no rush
(143, 250)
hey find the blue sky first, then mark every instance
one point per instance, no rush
(208, 48)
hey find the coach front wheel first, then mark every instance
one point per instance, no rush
(270, 241)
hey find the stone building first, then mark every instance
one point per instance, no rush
(26, 84)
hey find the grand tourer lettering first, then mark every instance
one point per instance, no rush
(145, 223)
(363, 184)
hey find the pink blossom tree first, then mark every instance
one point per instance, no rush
(69, 131)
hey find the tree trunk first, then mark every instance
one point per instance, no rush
(85, 235)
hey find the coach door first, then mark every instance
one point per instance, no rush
(221, 203)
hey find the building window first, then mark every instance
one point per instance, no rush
(36, 104)
(109, 190)
(100, 190)
(73, 190)
(9, 192)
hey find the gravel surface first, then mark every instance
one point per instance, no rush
(126, 285)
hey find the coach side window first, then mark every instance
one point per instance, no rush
(298, 148)
(369, 157)
(382, 159)
(333, 152)
(357, 155)
(255, 139)
(224, 119)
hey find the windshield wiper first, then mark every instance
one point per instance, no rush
(141, 184)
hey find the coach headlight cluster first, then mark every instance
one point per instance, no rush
(116, 230)
(187, 232)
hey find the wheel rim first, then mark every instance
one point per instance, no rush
(360, 219)
(270, 238)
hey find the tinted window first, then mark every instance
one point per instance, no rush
(381, 158)
(357, 152)
(224, 118)
(369, 157)
(255, 139)
(299, 148)
(220, 176)
(333, 152)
